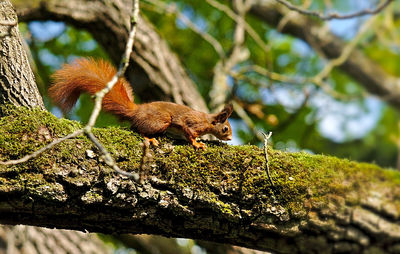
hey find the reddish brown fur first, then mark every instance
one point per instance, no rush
(88, 75)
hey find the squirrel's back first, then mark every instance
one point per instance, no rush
(90, 76)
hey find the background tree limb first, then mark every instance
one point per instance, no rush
(362, 69)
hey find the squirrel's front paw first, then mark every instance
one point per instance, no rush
(152, 141)
(199, 145)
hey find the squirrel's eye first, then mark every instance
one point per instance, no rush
(225, 129)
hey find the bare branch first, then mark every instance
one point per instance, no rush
(238, 53)
(298, 80)
(43, 149)
(334, 15)
(121, 70)
(359, 67)
(247, 120)
(266, 137)
(346, 52)
(108, 158)
(231, 14)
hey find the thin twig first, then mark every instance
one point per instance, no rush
(246, 119)
(100, 95)
(41, 150)
(334, 15)
(345, 54)
(249, 29)
(266, 137)
(298, 80)
(121, 70)
(108, 158)
(238, 53)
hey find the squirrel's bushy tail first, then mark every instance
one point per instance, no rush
(90, 76)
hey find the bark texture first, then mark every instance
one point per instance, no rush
(156, 72)
(17, 82)
(358, 66)
(318, 204)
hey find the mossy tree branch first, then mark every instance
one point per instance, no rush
(222, 194)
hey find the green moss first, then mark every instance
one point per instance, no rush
(222, 177)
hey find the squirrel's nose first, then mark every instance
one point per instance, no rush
(229, 137)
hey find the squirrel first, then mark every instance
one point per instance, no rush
(149, 119)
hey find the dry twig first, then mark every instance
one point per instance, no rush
(41, 150)
(331, 16)
(266, 137)
(231, 14)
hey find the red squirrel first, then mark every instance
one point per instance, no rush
(149, 119)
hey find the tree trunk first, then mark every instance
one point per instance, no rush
(17, 83)
(156, 72)
(317, 204)
(362, 69)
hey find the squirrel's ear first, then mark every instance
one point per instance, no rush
(223, 115)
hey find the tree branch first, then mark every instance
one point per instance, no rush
(221, 195)
(331, 16)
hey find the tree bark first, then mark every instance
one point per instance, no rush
(317, 204)
(362, 69)
(156, 72)
(17, 83)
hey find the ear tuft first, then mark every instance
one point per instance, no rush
(224, 114)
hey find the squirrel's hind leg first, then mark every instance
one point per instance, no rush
(155, 127)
